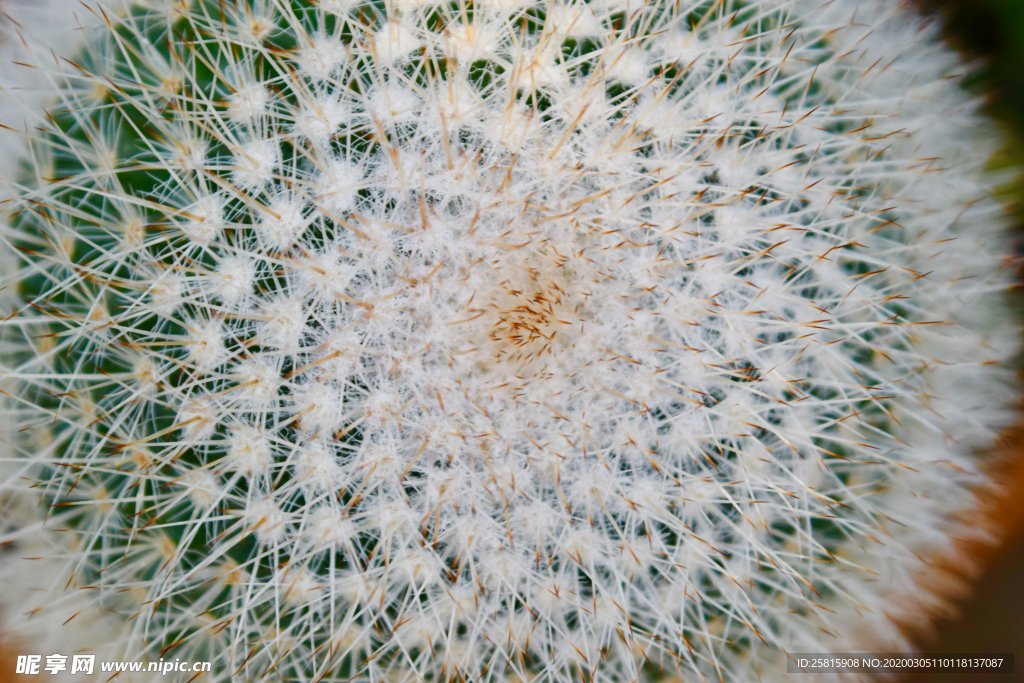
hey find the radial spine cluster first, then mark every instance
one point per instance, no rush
(498, 340)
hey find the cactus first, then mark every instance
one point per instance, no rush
(501, 340)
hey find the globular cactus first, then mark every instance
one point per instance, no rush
(494, 340)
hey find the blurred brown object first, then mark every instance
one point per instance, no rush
(9, 661)
(991, 620)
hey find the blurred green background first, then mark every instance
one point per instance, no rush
(992, 31)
